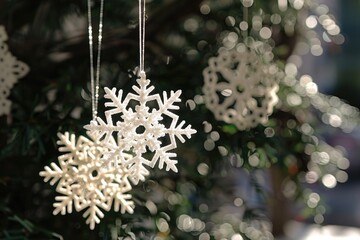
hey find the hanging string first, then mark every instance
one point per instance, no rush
(244, 25)
(246, 19)
(95, 76)
(142, 34)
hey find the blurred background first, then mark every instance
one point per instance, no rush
(336, 73)
(295, 176)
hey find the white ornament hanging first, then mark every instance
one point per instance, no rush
(240, 85)
(139, 128)
(87, 181)
(11, 70)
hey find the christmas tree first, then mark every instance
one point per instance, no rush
(258, 121)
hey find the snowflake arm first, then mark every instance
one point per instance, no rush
(122, 201)
(143, 92)
(11, 71)
(115, 100)
(168, 103)
(178, 131)
(116, 104)
(137, 170)
(54, 173)
(93, 215)
(163, 156)
(67, 143)
(63, 204)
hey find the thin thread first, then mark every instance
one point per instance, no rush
(142, 33)
(246, 19)
(91, 58)
(95, 79)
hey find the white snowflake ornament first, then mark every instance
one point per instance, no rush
(10, 71)
(136, 122)
(240, 85)
(86, 181)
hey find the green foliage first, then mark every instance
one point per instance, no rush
(54, 97)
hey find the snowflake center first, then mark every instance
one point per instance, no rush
(140, 129)
(94, 173)
(240, 88)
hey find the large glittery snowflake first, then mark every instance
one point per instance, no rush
(240, 85)
(137, 123)
(10, 71)
(86, 180)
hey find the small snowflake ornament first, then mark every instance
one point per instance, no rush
(84, 179)
(137, 124)
(240, 85)
(10, 71)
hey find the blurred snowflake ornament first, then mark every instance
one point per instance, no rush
(240, 85)
(10, 71)
(86, 181)
(138, 126)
